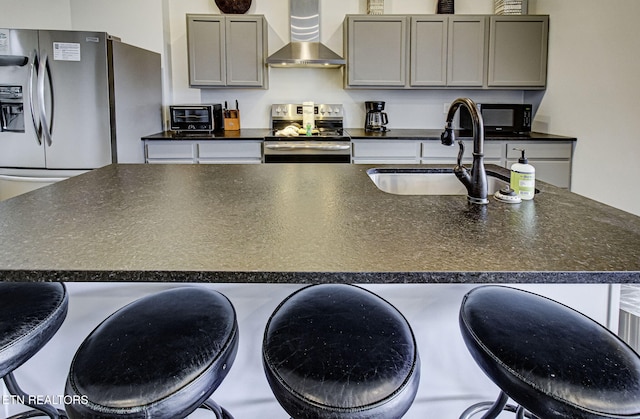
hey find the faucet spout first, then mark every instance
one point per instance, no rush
(476, 180)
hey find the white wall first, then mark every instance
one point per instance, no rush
(592, 93)
(141, 25)
(35, 14)
(592, 81)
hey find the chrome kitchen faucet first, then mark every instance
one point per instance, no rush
(476, 182)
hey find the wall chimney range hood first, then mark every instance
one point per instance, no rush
(305, 49)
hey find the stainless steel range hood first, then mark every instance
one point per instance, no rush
(305, 49)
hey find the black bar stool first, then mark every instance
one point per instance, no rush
(30, 314)
(553, 361)
(161, 356)
(340, 352)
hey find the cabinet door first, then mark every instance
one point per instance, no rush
(433, 152)
(518, 51)
(376, 51)
(466, 51)
(239, 151)
(245, 51)
(206, 50)
(169, 152)
(429, 50)
(551, 160)
(386, 152)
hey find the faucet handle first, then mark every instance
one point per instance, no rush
(460, 153)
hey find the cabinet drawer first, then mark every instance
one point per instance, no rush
(382, 160)
(173, 150)
(170, 161)
(540, 151)
(230, 149)
(386, 149)
(439, 151)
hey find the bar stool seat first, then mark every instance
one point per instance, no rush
(550, 359)
(30, 315)
(161, 356)
(340, 352)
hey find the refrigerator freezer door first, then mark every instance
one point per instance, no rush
(21, 149)
(137, 99)
(77, 99)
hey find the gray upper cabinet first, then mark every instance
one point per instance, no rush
(376, 50)
(466, 51)
(518, 51)
(441, 51)
(227, 51)
(429, 36)
(206, 49)
(448, 51)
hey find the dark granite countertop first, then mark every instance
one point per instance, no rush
(242, 134)
(303, 223)
(434, 134)
(354, 133)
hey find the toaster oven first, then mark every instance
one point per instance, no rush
(196, 118)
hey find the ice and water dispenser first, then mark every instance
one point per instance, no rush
(11, 109)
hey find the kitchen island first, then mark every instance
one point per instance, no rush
(259, 232)
(303, 224)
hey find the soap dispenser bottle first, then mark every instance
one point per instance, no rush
(523, 177)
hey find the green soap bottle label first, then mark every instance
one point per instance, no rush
(523, 184)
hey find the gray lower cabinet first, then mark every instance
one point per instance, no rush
(552, 159)
(227, 51)
(235, 152)
(204, 152)
(170, 152)
(385, 152)
(433, 152)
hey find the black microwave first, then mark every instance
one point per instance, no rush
(196, 117)
(500, 118)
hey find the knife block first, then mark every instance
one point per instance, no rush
(232, 120)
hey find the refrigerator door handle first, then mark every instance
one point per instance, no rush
(3, 122)
(44, 74)
(33, 78)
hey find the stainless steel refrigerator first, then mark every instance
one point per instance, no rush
(71, 101)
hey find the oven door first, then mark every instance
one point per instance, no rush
(314, 151)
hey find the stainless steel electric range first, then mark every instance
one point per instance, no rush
(291, 142)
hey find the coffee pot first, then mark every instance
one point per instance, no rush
(376, 119)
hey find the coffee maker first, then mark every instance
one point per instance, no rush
(376, 119)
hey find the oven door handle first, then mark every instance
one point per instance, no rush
(321, 147)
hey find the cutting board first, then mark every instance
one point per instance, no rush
(233, 6)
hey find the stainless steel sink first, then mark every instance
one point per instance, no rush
(427, 181)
